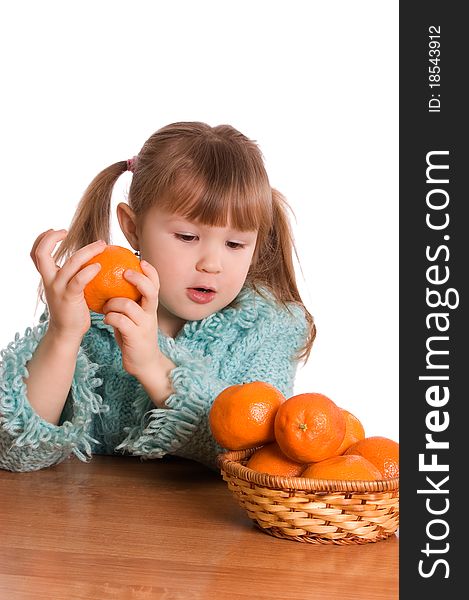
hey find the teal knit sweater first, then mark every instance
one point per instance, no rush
(107, 410)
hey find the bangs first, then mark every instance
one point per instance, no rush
(245, 209)
(220, 188)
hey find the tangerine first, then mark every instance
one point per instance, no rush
(347, 467)
(109, 282)
(242, 416)
(354, 431)
(270, 459)
(381, 451)
(309, 427)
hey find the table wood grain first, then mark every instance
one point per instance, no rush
(119, 527)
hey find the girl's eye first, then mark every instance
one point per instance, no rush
(185, 237)
(235, 245)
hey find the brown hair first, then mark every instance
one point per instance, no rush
(207, 174)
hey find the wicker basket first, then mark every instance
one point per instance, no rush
(317, 511)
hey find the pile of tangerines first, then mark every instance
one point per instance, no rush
(307, 435)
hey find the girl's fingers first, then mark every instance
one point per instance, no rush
(75, 263)
(82, 278)
(120, 322)
(148, 285)
(41, 253)
(32, 254)
(126, 307)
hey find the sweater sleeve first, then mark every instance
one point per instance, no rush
(27, 442)
(183, 428)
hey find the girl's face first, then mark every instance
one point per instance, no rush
(188, 256)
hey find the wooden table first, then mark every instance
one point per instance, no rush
(119, 527)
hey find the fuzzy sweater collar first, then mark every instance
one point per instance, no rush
(243, 314)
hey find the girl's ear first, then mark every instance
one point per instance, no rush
(128, 224)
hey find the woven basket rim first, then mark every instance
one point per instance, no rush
(230, 462)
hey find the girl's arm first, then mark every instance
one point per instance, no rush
(51, 368)
(50, 375)
(27, 441)
(37, 371)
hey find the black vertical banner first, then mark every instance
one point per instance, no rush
(434, 253)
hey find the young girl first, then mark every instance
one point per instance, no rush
(220, 306)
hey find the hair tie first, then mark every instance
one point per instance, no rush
(131, 164)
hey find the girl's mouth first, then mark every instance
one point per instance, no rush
(200, 295)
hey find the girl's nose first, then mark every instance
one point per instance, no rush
(209, 262)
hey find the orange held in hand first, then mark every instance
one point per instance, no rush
(109, 281)
(381, 451)
(242, 416)
(309, 427)
(270, 459)
(343, 467)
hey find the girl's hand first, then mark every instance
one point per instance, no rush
(136, 325)
(63, 286)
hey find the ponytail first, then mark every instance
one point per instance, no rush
(274, 269)
(91, 221)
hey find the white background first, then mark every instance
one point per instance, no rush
(314, 83)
